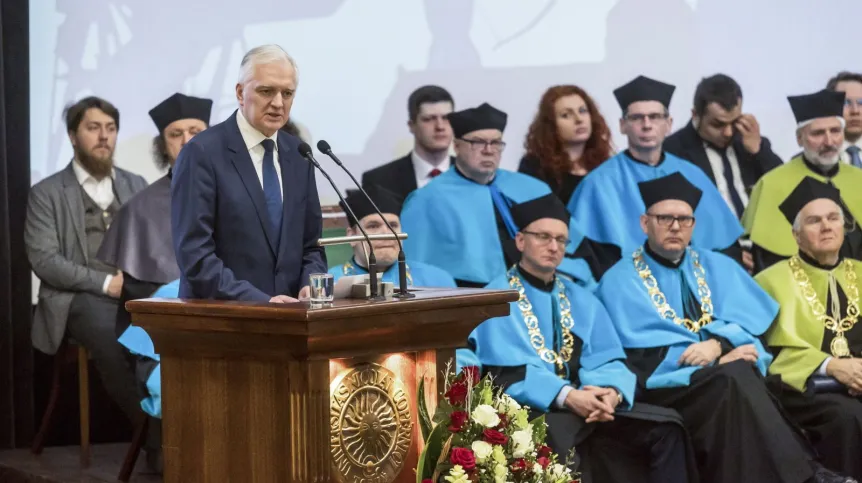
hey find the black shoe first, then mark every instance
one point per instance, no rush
(822, 475)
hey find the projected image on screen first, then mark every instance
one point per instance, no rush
(359, 60)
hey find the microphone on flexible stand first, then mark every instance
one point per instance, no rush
(305, 151)
(324, 148)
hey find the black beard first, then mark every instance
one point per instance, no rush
(98, 168)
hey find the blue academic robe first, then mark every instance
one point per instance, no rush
(418, 274)
(742, 311)
(138, 342)
(607, 204)
(451, 224)
(505, 342)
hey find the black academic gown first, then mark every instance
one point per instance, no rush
(563, 188)
(851, 248)
(832, 419)
(599, 256)
(620, 451)
(728, 412)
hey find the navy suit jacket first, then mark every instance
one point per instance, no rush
(224, 243)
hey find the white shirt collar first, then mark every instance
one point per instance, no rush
(423, 168)
(250, 135)
(82, 175)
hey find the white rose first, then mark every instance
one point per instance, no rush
(523, 442)
(486, 416)
(537, 469)
(559, 471)
(482, 450)
(507, 405)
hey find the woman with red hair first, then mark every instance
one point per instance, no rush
(567, 139)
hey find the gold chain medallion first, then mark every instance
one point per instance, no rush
(532, 322)
(660, 301)
(839, 346)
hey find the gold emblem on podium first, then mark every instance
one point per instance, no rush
(370, 425)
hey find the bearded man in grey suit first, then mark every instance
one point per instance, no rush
(68, 214)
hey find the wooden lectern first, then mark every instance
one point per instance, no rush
(257, 392)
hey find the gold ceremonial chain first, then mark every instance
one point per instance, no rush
(532, 323)
(839, 346)
(350, 269)
(660, 301)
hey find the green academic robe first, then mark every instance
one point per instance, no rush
(796, 332)
(764, 223)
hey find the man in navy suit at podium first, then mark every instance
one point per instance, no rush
(245, 213)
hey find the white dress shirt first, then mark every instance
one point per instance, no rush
(253, 139)
(423, 169)
(717, 166)
(102, 192)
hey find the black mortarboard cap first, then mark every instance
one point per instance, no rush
(824, 103)
(386, 200)
(671, 187)
(180, 106)
(643, 88)
(548, 206)
(485, 116)
(808, 190)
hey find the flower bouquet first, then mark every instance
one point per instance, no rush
(479, 434)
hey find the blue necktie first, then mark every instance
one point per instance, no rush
(855, 160)
(271, 188)
(503, 207)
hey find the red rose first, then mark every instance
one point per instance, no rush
(427, 480)
(504, 421)
(543, 461)
(495, 437)
(519, 465)
(545, 451)
(457, 394)
(463, 457)
(470, 373)
(457, 420)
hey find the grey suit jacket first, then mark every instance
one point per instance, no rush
(57, 249)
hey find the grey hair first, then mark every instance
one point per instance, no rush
(797, 222)
(264, 54)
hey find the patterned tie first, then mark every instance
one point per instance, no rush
(855, 160)
(434, 173)
(271, 188)
(738, 205)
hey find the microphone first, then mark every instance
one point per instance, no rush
(305, 152)
(324, 148)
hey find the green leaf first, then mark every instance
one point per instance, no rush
(425, 425)
(431, 453)
(540, 432)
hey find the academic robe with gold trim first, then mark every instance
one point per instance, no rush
(802, 343)
(737, 428)
(769, 230)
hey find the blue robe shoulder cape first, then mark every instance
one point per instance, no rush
(451, 224)
(418, 274)
(742, 311)
(504, 341)
(607, 204)
(138, 342)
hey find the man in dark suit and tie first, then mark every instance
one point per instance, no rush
(723, 141)
(245, 213)
(427, 107)
(850, 84)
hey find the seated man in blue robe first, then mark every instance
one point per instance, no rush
(690, 321)
(606, 204)
(385, 251)
(461, 221)
(555, 353)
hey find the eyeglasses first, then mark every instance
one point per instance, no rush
(684, 221)
(653, 117)
(545, 238)
(480, 144)
(850, 102)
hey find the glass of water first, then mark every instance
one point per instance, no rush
(322, 288)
